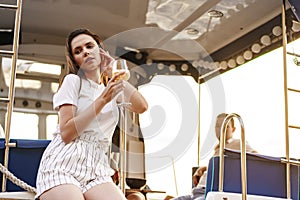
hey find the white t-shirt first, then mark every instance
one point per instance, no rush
(82, 97)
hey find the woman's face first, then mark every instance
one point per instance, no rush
(86, 54)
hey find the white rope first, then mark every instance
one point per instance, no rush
(15, 180)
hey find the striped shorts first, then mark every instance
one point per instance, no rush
(83, 163)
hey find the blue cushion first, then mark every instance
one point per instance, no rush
(2, 150)
(266, 175)
(25, 143)
(24, 160)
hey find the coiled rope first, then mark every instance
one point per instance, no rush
(16, 180)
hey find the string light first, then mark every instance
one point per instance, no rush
(184, 67)
(277, 31)
(172, 68)
(223, 65)
(255, 48)
(231, 63)
(160, 66)
(240, 60)
(248, 55)
(149, 61)
(265, 40)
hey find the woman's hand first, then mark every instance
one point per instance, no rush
(106, 61)
(113, 88)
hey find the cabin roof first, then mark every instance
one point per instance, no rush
(191, 37)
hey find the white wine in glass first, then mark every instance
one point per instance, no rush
(120, 65)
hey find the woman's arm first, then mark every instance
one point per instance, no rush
(72, 126)
(132, 95)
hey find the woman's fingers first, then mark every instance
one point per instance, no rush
(113, 89)
(106, 59)
(117, 76)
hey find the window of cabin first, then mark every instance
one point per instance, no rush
(35, 85)
(30, 74)
(24, 126)
(52, 121)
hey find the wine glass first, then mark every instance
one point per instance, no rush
(120, 65)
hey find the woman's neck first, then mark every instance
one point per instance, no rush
(94, 76)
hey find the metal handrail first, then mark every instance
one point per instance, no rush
(286, 110)
(243, 154)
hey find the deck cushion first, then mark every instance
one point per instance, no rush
(266, 175)
(24, 160)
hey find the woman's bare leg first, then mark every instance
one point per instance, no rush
(105, 191)
(66, 191)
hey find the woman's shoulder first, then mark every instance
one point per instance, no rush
(71, 77)
(70, 81)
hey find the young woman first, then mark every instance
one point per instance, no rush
(74, 165)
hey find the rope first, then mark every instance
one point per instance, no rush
(15, 180)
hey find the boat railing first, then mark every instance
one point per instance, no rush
(267, 175)
(227, 119)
